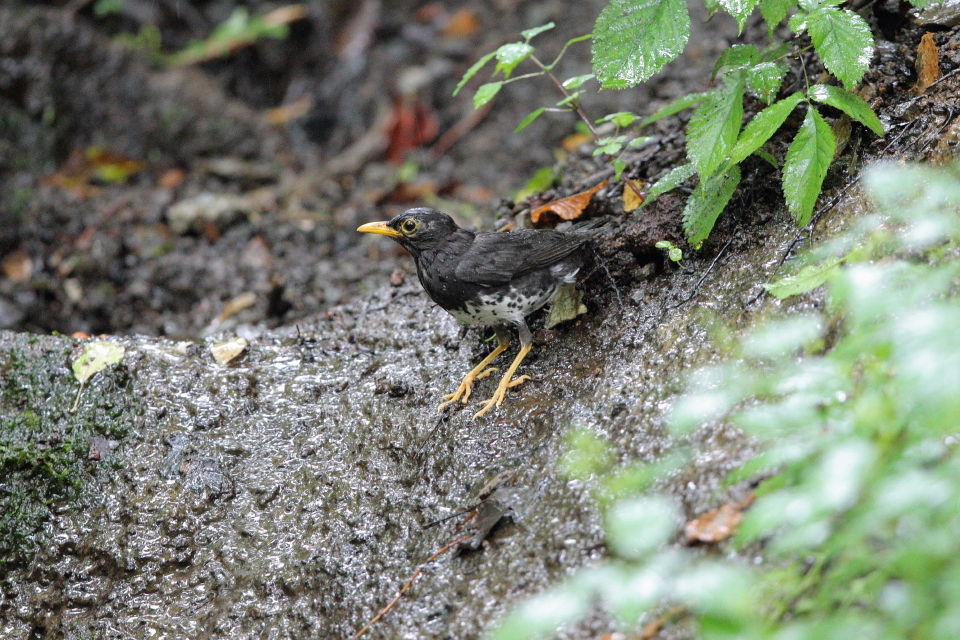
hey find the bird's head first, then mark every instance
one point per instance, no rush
(416, 230)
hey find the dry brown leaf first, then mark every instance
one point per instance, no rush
(717, 525)
(236, 305)
(17, 265)
(927, 65)
(412, 123)
(290, 111)
(574, 140)
(463, 23)
(631, 194)
(172, 179)
(569, 208)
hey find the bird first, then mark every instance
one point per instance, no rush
(486, 279)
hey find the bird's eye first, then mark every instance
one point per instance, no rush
(409, 226)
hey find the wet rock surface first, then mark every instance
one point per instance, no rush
(286, 494)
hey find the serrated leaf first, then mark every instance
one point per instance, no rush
(739, 9)
(676, 106)
(760, 153)
(706, 203)
(577, 81)
(714, 126)
(807, 279)
(472, 71)
(533, 115)
(843, 41)
(798, 22)
(850, 103)
(528, 34)
(669, 181)
(763, 126)
(809, 5)
(805, 167)
(95, 357)
(739, 55)
(510, 55)
(765, 78)
(774, 11)
(485, 93)
(633, 39)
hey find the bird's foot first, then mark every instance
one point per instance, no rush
(466, 387)
(499, 395)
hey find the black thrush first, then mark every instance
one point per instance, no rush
(485, 279)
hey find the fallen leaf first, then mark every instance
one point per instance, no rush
(236, 305)
(79, 335)
(717, 525)
(411, 124)
(257, 254)
(631, 194)
(287, 112)
(93, 358)
(172, 179)
(569, 208)
(566, 305)
(927, 65)
(17, 265)
(463, 23)
(224, 352)
(574, 140)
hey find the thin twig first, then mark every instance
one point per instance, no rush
(406, 585)
(696, 287)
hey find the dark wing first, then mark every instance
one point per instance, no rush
(498, 258)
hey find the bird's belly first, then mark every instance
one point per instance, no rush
(501, 307)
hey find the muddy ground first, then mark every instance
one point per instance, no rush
(285, 495)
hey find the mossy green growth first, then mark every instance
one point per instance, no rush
(44, 446)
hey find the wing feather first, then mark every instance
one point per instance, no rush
(498, 258)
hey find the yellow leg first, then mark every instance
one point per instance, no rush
(506, 382)
(466, 385)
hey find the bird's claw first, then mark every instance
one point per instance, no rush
(499, 395)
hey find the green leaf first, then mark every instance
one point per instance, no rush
(765, 78)
(633, 39)
(620, 118)
(760, 153)
(569, 99)
(577, 81)
(638, 526)
(774, 11)
(669, 181)
(714, 126)
(763, 126)
(676, 106)
(737, 56)
(706, 203)
(611, 145)
(798, 22)
(739, 9)
(472, 71)
(850, 103)
(805, 167)
(533, 115)
(618, 167)
(843, 41)
(807, 279)
(485, 93)
(528, 34)
(673, 252)
(510, 55)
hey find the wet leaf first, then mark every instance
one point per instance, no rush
(719, 524)
(670, 181)
(927, 65)
(843, 41)
(738, 56)
(509, 56)
(226, 351)
(528, 34)
(633, 39)
(632, 198)
(774, 11)
(714, 126)
(765, 79)
(706, 203)
(577, 81)
(805, 167)
(485, 93)
(739, 9)
(763, 126)
(472, 71)
(95, 357)
(674, 253)
(533, 115)
(569, 208)
(676, 106)
(850, 103)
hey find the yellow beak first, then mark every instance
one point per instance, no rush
(379, 227)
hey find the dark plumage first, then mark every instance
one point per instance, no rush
(485, 279)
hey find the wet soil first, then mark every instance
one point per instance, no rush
(285, 495)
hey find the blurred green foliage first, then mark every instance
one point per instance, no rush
(856, 414)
